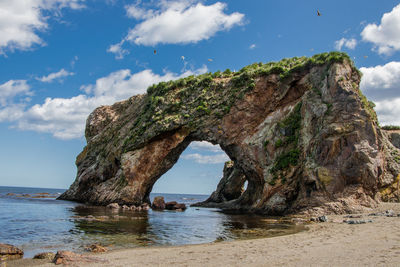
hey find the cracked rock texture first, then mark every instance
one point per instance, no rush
(299, 131)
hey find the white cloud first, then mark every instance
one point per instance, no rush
(382, 85)
(205, 146)
(388, 111)
(386, 36)
(11, 89)
(20, 20)
(65, 118)
(348, 43)
(133, 11)
(12, 112)
(118, 50)
(177, 22)
(381, 77)
(55, 75)
(59, 4)
(62, 117)
(207, 159)
(381, 82)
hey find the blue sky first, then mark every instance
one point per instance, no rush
(59, 59)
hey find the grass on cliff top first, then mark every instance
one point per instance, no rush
(284, 68)
(391, 127)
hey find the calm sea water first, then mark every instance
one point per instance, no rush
(34, 220)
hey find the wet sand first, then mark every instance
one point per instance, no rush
(331, 243)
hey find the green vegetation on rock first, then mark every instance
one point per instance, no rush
(173, 103)
(368, 106)
(290, 127)
(391, 127)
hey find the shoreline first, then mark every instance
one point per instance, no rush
(331, 243)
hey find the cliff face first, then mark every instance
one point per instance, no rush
(299, 131)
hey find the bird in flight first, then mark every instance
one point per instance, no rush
(318, 13)
(182, 57)
(210, 60)
(155, 51)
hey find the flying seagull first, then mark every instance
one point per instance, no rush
(182, 57)
(155, 51)
(318, 13)
(210, 60)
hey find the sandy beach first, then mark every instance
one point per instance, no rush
(331, 243)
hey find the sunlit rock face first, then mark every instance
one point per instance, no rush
(299, 131)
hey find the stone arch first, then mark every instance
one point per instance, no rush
(299, 130)
(143, 167)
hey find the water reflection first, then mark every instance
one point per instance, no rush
(194, 226)
(38, 225)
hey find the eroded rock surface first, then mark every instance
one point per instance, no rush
(45, 256)
(158, 203)
(299, 130)
(394, 137)
(70, 258)
(10, 252)
(229, 188)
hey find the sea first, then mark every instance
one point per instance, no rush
(35, 221)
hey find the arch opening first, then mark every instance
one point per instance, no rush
(204, 170)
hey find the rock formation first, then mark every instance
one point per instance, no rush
(158, 203)
(10, 252)
(299, 130)
(229, 188)
(394, 137)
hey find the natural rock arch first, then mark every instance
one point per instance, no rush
(299, 130)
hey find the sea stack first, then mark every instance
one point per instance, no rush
(299, 131)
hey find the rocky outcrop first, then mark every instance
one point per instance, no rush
(394, 137)
(70, 258)
(44, 256)
(229, 188)
(158, 203)
(299, 130)
(173, 205)
(10, 252)
(96, 248)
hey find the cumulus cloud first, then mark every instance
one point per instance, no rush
(55, 76)
(215, 154)
(11, 89)
(348, 43)
(205, 146)
(14, 95)
(386, 35)
(21, 20)
(207, 159)
(65, 118)
(388, 111)
(381, 82)
(136, 12)
(382, 85)
(118, 50)
(11, 112)
(177, 22)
